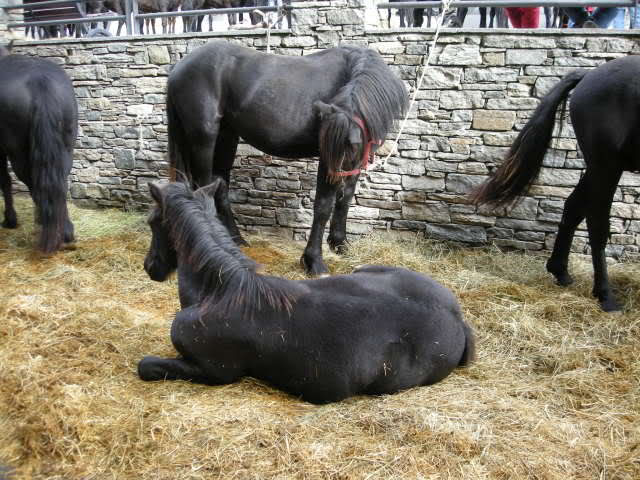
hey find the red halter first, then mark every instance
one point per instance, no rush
(367, 155)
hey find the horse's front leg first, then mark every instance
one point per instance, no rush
(225, 153)
(10, 217)
(152, 368)
(325, 198)
(338, 230)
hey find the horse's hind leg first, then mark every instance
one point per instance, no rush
(600, 196)
(10, 217)
(338, 230)
(575, 210)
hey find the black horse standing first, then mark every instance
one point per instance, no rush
(605, 113)
(38, 128)
(335, 103)
(379, 330)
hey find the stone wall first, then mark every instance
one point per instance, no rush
(481, 89)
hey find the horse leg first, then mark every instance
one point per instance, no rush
(418, 17)
(10, 217)
(575, 210)
(483, 17)
(164, 22)
(461, 14)
(225, 152)
(325, 199)
(152, 368)
(601, 195)
(547, 17)
(338, 230)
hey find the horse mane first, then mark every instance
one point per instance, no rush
(231, 283)
(373, 93)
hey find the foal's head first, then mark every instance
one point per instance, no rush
(344, 140)
(162, 258)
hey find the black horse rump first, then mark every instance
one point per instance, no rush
(38, 128)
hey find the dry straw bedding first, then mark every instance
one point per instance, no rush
(554, 392)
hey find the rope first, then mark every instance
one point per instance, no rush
(266, 19)
(439, 24)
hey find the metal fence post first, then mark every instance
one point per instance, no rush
(127, 15)
(130, 11)
(134, 19)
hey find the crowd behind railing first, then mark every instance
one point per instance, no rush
(519, 14)
(46, 19)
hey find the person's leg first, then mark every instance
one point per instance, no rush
(530, 17)
(515, 16)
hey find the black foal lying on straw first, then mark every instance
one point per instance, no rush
(378, 330)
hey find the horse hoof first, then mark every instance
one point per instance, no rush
(69, 246)
(314, 268)
(610, 305)
(561, 275)
(564, 279)
(149, 370)
(10, 224)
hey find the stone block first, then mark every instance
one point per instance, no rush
(430, 212)
(493, 120)
(457, 233)
(460, 55)
(345, 17)
(451, 100)
(525, 57)
(422, 183)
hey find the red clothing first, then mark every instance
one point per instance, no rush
(524, 17)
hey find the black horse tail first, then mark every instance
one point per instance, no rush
(469, 353)
(50, 162)
(524, 160)
(178, 168)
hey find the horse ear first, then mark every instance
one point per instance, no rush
(322, 108)
(156, 192)
(211, 189)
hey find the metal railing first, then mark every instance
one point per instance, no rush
(131, 18)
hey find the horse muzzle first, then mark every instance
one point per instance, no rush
(156, 271)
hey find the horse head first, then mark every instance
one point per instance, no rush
(162, 258)
(345, 144)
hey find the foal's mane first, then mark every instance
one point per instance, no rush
(231, 283)
(373, 93)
